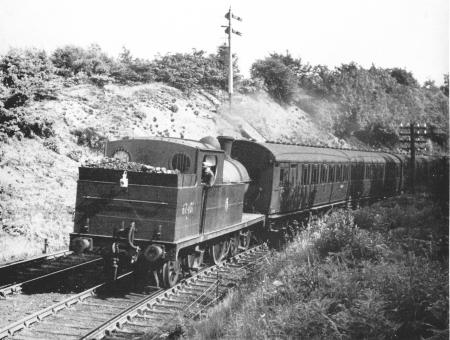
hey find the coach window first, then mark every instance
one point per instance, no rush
(323, 173)
(332, 173)
(305, 177)
(293, 175)
(315, 174)
(353, 173)
(338, 173)
(361, 171)
(284, 175)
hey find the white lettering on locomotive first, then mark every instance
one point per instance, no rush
(187, 209)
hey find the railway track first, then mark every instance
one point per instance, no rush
(91, 302)
(102, 313)
(189, 298)
(16, 276)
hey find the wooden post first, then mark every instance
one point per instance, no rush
(230, 58)
(412, 149)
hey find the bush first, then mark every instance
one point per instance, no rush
(130, 70)
(189, 71)
(90, 137)
(25, 75)
(74, 155)
(277, 77)
(250, 86)
(19, 122)
(371, 103)
(337, 235)
(71, 60)
(100, 80)
(51, 144)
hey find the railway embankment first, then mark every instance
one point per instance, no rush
(38, 175)
(378, 272)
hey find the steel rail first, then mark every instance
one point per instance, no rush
(186, 286)
(16, 287)
(38, 316)
(54, 255)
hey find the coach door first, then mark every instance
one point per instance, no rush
(293, 188)
(305, 187)
(284, 190)
(323, 193)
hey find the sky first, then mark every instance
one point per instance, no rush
(411, 34)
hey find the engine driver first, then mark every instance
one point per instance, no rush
(208, 176)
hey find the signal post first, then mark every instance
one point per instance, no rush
(414, 134)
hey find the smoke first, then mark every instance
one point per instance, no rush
(259, 117)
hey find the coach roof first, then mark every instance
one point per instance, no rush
(283, 152)
(298, 153)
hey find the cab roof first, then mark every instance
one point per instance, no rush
(184, 142)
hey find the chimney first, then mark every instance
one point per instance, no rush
(225, 144)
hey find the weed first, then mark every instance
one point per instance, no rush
(51, 144)
(89, 137)
(339, 281)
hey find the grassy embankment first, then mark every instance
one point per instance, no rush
(380, 272)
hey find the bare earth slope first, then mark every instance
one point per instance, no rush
(38, 178)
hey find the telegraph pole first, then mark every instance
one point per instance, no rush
(229, 30)
(415, 134)
(230, 58)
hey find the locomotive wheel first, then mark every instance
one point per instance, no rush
(234, 244)
(193, 261)
(226, 249)
(244, 239)
(218, 251)
(170, 273)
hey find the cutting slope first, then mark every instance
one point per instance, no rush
(38, 177)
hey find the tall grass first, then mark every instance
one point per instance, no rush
(340, 281)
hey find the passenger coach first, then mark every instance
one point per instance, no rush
(287, 179)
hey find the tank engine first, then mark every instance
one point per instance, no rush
(163, 220)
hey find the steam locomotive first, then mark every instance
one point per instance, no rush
(165, 218)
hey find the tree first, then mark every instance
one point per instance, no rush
(444, 88)
(277, 77)
(71, 60)
(404, 77)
